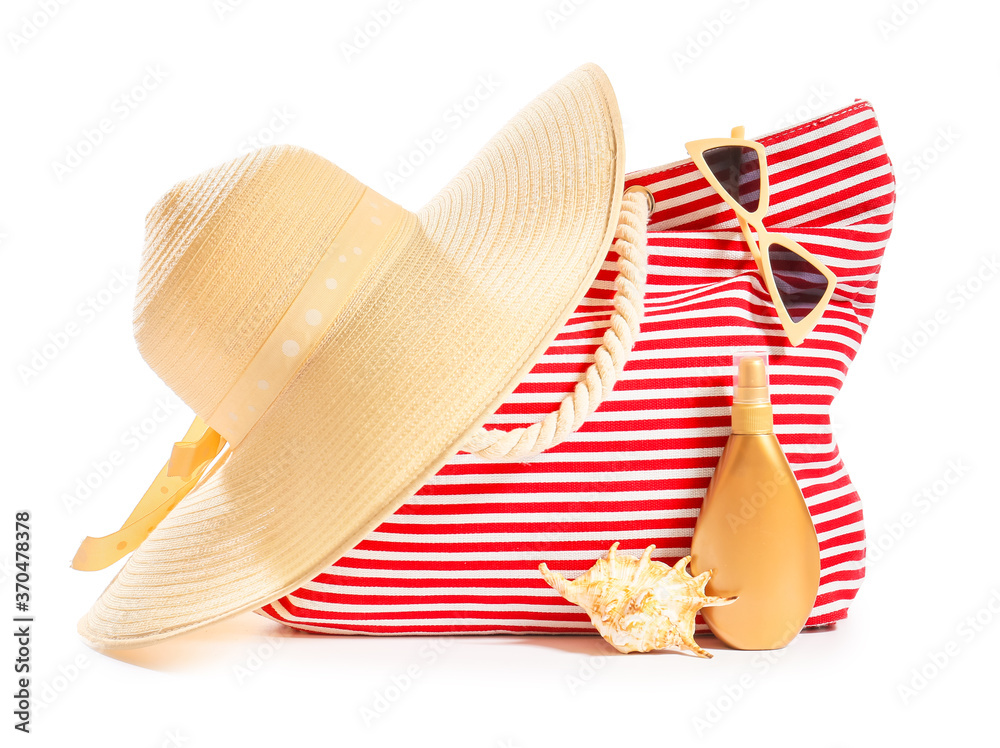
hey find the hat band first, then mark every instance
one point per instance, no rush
(313, 311)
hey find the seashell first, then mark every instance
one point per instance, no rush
(639, 606)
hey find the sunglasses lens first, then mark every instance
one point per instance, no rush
(799, 283)
(738, 170)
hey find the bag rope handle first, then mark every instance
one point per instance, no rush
(609, 359)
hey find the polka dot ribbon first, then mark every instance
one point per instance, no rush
(308, 317)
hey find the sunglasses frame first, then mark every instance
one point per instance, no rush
(796, 331)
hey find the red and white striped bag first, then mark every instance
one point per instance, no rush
(462, 556)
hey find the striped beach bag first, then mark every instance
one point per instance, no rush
(462, 555)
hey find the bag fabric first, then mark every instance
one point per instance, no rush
(462, 556)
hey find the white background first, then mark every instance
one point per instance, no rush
(918, 399)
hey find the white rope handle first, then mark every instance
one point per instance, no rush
(609, 359)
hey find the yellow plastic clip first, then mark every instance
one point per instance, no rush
(188, 456)
(188, 461)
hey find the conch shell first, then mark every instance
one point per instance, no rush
(639, 606)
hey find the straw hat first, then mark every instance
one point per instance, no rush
(344, 347)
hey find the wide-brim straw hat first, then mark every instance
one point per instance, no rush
(346, 348)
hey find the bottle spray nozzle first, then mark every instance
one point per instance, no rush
(751, 400)
(751, 381)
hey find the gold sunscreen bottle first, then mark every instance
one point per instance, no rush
(754, 529)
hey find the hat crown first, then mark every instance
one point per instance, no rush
(225, 254)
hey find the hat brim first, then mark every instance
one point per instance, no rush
(465, 300)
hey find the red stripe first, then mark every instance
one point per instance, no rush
(845, 539)
(373, 628)
(500, 546)
(827, 618)
(842, 521)
(844, 575)
(846, 593)
(513, 506)
(534, 487)
(572, 614)
(847, 557)
(510, 528)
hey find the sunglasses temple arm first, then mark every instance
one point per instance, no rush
(751, 242)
